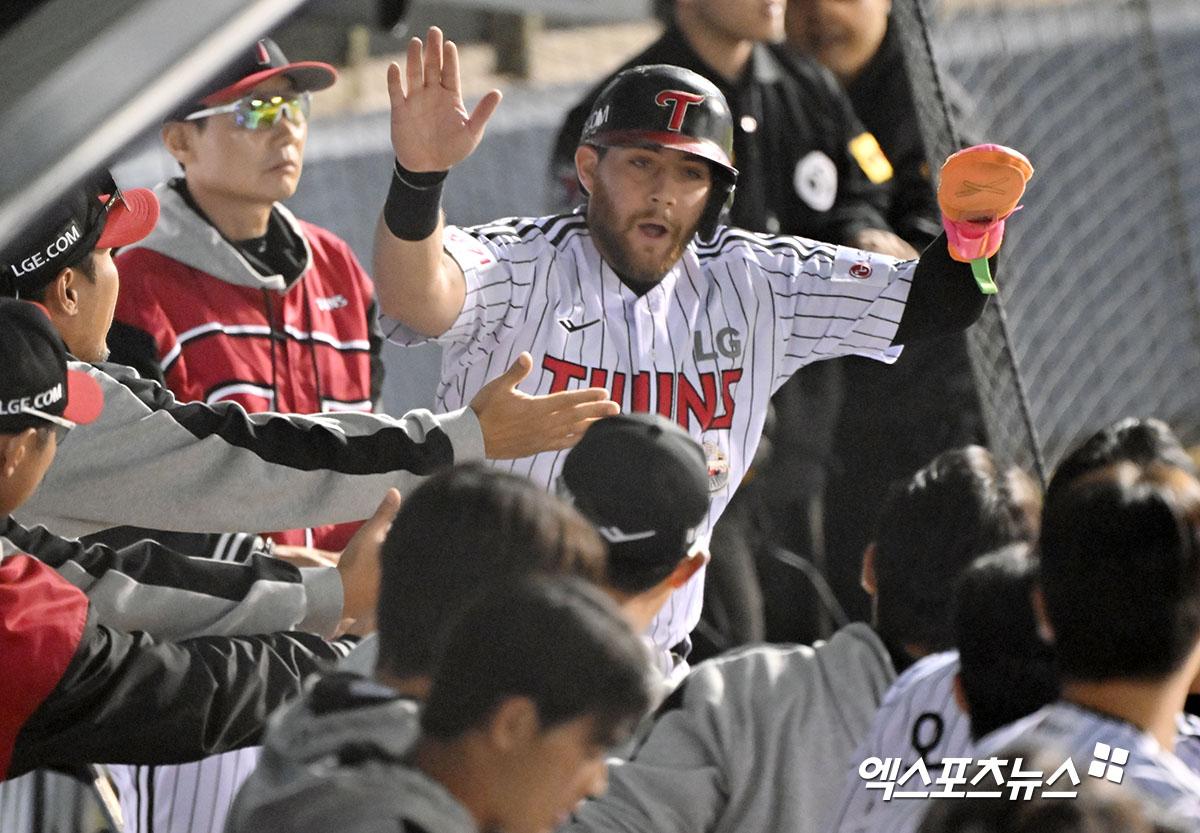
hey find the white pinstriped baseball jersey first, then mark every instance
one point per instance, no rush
(187, 798)
(707, 346)
(184, 798)
(1131, 755)
(918, 718)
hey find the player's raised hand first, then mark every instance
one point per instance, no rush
(359, 562)
(515, 424)
(431, 129)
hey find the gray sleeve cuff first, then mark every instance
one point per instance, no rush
(462, 427)
(324, 595)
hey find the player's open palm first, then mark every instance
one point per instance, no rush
(431, 128)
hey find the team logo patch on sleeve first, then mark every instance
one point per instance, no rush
(862, 268)
(465, 249)
(870, 157)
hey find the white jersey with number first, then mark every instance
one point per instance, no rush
(706, 347)
(919, 718)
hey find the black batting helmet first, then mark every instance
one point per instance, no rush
(671, 107)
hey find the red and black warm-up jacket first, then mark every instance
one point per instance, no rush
(75, 691)
(217, 323)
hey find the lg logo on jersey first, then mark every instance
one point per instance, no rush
(727, 341)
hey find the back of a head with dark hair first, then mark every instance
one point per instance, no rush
(1099, 806)
(1006, 669)
(1120, 571)
(960, 506)
(553, 639)
(1140, 441)
(463, 529)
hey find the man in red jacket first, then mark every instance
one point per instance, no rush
(232, 297)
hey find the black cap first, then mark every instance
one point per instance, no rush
(94, 214)
(643, 481)
(35, 372)
(260, 62)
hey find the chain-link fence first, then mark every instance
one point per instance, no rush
(1099, 316)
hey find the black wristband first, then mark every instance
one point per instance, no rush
(414, 203)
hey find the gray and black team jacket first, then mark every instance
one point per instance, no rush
(79, 691)
(756, 740)
(151, 461)
(147, 587)
(335, 759)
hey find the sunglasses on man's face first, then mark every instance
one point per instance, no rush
(257, 112)
(59, 425)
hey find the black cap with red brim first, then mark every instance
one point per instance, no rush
(36, 377)
(260, 63)
(94, 214)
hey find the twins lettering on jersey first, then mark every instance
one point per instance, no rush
(672, 395)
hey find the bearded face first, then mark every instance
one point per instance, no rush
(644, 209)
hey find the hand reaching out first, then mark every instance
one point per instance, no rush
(359, 561)
(515, 424)
(431, 129)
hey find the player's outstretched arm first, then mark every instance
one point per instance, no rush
(432, 131)
(515, 424)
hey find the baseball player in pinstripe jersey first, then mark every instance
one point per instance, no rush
(1002, 671)
(643, 292)
(1119, 587)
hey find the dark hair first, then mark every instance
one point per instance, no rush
(1140, 441)
(960, 506)
(462, 529)
(1100, 807)
(553, 639)
(1006, 670)
(85, 264)
(1120, 571)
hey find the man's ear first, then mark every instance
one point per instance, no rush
(686, 568)
(177, 136)
(513, 723)
(13, 448)
(61, 299)
(867, 579)
(586, 160)
(1044, 629)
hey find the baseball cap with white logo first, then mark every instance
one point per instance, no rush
(643, 481)
(36, 381)
(95, 214)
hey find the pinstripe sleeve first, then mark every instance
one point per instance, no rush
(497, 266)
(834, 301)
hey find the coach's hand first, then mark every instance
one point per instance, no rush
(359, 564)
(431, 129)
(515, 424)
